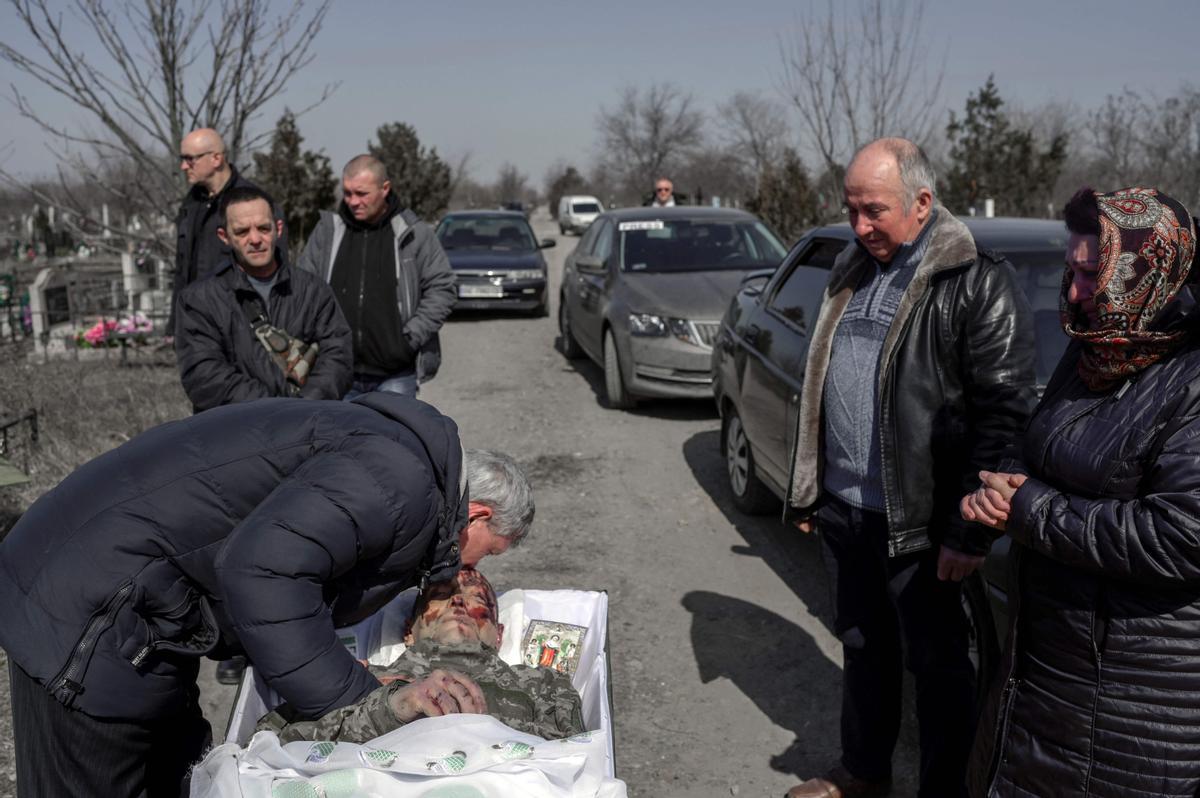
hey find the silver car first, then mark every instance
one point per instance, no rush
(644, 291)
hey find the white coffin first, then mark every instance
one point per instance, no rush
(380, 639)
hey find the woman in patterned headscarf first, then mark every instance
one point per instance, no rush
(1100, 686)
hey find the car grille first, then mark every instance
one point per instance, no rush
(480, 274)
(706, 331)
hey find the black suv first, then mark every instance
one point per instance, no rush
(759, 353)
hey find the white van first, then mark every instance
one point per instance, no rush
(576, 212)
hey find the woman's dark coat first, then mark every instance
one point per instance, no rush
(266, 524)
(1100, 690)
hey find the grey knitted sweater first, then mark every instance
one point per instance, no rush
(852, 456)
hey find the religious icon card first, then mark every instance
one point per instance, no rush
(549, 644)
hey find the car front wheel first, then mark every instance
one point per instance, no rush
(614, 384)
(566, 341)
(750, 495)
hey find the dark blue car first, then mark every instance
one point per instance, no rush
(496, 260)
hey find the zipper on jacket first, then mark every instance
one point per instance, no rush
(140, 657)
(362, 293)
(66, 686)
(1009, 695)
(408, 310)
(1011, 682)
(886, 385)
(1098, 653)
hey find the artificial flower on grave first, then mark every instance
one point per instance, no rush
(136, 327)
(97, 335)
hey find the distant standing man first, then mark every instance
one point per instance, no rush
(199, 252)
(255, 300)
(391, 278)
(920, 372)
(664, 194)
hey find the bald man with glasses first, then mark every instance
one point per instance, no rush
(199, 252)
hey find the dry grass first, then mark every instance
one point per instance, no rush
(84, 409)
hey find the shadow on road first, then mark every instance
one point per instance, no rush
(794, 556)
(665, 409)
(776, 665)
(476, 316)
(770, 659)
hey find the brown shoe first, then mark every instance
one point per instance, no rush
(840, 783)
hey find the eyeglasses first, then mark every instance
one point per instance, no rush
(663, 189)
(191, 159)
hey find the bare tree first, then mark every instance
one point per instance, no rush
(460, 172)
(1113, 132)
(754, 130)
(649, 132)
(511, 185)
(1170, 140)
(164, 70)
(858, 75)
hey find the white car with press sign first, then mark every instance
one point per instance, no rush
(644, 291)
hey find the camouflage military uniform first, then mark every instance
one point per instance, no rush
(538, 701)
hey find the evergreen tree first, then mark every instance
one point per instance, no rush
(569, 181)
(300, 182)
(420, 179)
(785, 199)
(992, 158)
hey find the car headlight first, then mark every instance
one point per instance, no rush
(649, 324)
(523, 274)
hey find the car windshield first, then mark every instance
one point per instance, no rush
(486, 232)
(685, 245)
(1040, 275)
(585, 207)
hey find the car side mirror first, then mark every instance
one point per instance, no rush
(547, 243)
(590, 263)
(753, 284)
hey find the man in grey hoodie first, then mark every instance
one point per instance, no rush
(391, 278)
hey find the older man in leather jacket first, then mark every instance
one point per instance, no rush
(920, 372)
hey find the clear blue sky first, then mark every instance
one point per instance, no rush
(522, 80)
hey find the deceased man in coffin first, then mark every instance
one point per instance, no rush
(450, 666)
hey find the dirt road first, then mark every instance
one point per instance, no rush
(726, 680)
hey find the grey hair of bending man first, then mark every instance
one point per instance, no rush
(916, 172)
(495, 479)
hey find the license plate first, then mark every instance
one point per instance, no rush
(485, 291)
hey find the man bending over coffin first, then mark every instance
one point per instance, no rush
(450, 666)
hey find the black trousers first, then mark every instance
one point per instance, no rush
(892, 612)
(62, 752)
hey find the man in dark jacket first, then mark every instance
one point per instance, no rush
(919, 374)
(221, 357)
(198, 250)
(257, 527)
(391, 278)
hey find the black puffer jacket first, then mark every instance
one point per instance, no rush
(267, 523)
(1100, 690)
(956, 386)
(220, 359)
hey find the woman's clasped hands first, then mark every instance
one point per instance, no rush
(990, 503)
